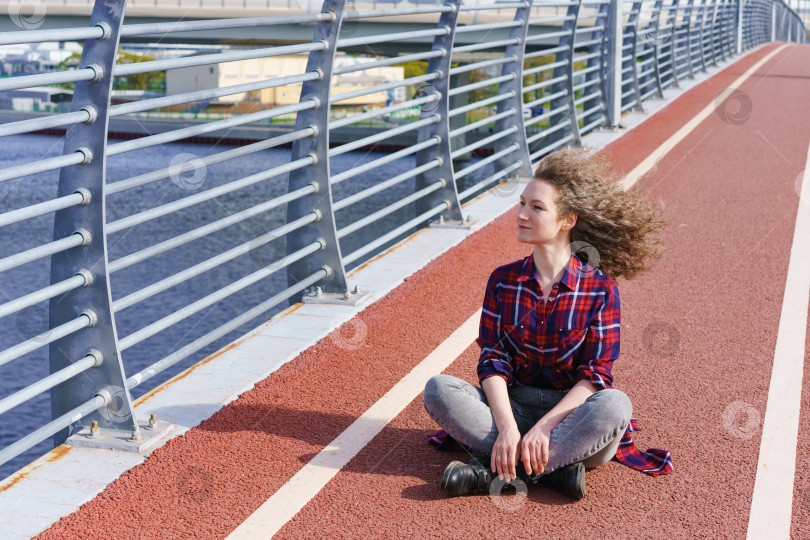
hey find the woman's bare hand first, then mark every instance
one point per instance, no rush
(506, 453)
(534, 449)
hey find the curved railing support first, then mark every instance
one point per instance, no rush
(93, 301)
(316, 147)
(566, 70)
(514, 85)
(439, 129)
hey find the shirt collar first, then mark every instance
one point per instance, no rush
(569, 278)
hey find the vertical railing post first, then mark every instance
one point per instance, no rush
(99, 340)
(317, 147)
(701, 35)
(613, 66)
(773, 21)
(565, 87)
(739, 28)
(515, 86)
(672, 22)
(631, 38)
(597, 74)
(440, 129)
(689, 8)
(652, 32)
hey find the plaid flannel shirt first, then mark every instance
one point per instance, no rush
(574, 335)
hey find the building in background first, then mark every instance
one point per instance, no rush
(246, 71)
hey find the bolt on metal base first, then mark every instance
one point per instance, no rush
(441, 223)
(140, 440)
(348, 298)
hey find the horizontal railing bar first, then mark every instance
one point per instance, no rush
(547, 98)
(121, 70)
(45, 79)
(463, 29)
(51, 34)
(482, 142)
(481, 103)
(385, 86)
(147, 104)
(185, 202)
(335, 124)
(487, 160)
(396, 37)
(45, 384)
(588, 97)
(550, 147)
(561, 18)
(595, 123)
(548, 131)
(49, 429)
(179, 355)
(387, 62)
(353, 256)
(354, 171)
(543, 84)
(44, 165)
(495, 6)
(584, 57)
(23, 302)
(188, 166)
(129, 30)
(376, 188)
(486, 181)
(209, 264)
(207, 127)
(544, 67)
(483, 122)
(377, 137)
(372, 13)
(46, 250)
(15, 216)
(584, 29)
(45, 338)
(48, 122)
(388, 210)
(585, 71)
(545, 52)
(177, 241)
(548, 35)
(484, 46)
(586, 84)
(213, 298)
(482, 64)
(480, 84)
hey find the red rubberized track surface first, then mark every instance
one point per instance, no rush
(699, 332)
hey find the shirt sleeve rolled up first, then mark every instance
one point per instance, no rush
(494, 359)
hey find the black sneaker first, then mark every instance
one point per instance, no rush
(462, 479)
(569, 480)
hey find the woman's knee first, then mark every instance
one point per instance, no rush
(436, 391)
(616, 404)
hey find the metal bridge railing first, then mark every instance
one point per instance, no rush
(539, 77)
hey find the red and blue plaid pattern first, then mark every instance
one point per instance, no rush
(573, 335)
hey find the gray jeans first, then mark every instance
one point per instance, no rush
(591, 433)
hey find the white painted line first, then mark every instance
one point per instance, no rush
(633, 176)
(292, 496)
(276, 511)
(772, 502)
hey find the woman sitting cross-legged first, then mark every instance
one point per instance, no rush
(549, 335)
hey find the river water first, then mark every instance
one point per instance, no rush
(27, 278)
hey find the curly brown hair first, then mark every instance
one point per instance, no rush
(617, 223)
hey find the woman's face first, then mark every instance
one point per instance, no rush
(537, 218)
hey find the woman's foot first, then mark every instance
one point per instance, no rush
(569, 480)
(462, 479)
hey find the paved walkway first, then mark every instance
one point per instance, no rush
(699, 343)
